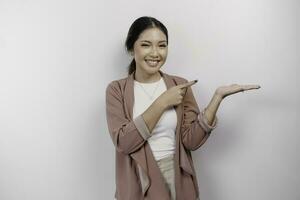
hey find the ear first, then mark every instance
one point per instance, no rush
(131, 53)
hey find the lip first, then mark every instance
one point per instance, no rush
(151, 60)
(157, 62)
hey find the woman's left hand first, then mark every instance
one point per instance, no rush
(225, 91)
(220, 94)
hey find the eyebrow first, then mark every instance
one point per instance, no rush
(150, 42)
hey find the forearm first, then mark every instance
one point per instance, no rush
(212, 107)
(153, 114)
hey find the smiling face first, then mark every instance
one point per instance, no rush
(150, 53)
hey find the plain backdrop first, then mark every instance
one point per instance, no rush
(57, 57)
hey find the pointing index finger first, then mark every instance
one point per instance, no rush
(190, 83)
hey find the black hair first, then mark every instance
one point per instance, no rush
(137, 27)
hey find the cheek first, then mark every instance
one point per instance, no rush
(164, 54)
(141, 53)
(139, 56)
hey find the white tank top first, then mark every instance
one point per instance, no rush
(162, 141)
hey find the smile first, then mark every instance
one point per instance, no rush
(152, 63)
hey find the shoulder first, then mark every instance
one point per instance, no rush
(116, 83)
(116, 86)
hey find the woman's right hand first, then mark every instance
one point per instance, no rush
(174, 95)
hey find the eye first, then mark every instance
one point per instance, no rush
(145, 45)
(163, 45)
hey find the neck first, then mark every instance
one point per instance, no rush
(146, 78)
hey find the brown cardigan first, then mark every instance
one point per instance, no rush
(137, 174)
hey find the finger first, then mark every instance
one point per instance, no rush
(185, 85)
(183, 91)
(250, 87)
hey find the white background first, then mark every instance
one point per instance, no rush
(57, 57)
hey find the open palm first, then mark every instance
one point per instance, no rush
(225, 91)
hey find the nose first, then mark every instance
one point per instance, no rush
(154, 52)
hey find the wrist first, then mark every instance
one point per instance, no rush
(217, 96)
(161, 104)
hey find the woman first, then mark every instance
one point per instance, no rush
(154, 121)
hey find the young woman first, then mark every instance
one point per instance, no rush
(154, 121)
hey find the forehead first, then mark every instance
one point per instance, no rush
(152, 34)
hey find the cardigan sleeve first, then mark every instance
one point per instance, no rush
(194, 129)
(127, 135)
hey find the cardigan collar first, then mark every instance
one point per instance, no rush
(129, 90)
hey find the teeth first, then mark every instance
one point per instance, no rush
(152, 62)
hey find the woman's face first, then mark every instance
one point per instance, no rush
(150, 51)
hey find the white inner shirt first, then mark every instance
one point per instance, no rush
(162, 140)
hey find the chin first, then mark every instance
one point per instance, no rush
(152, 70)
